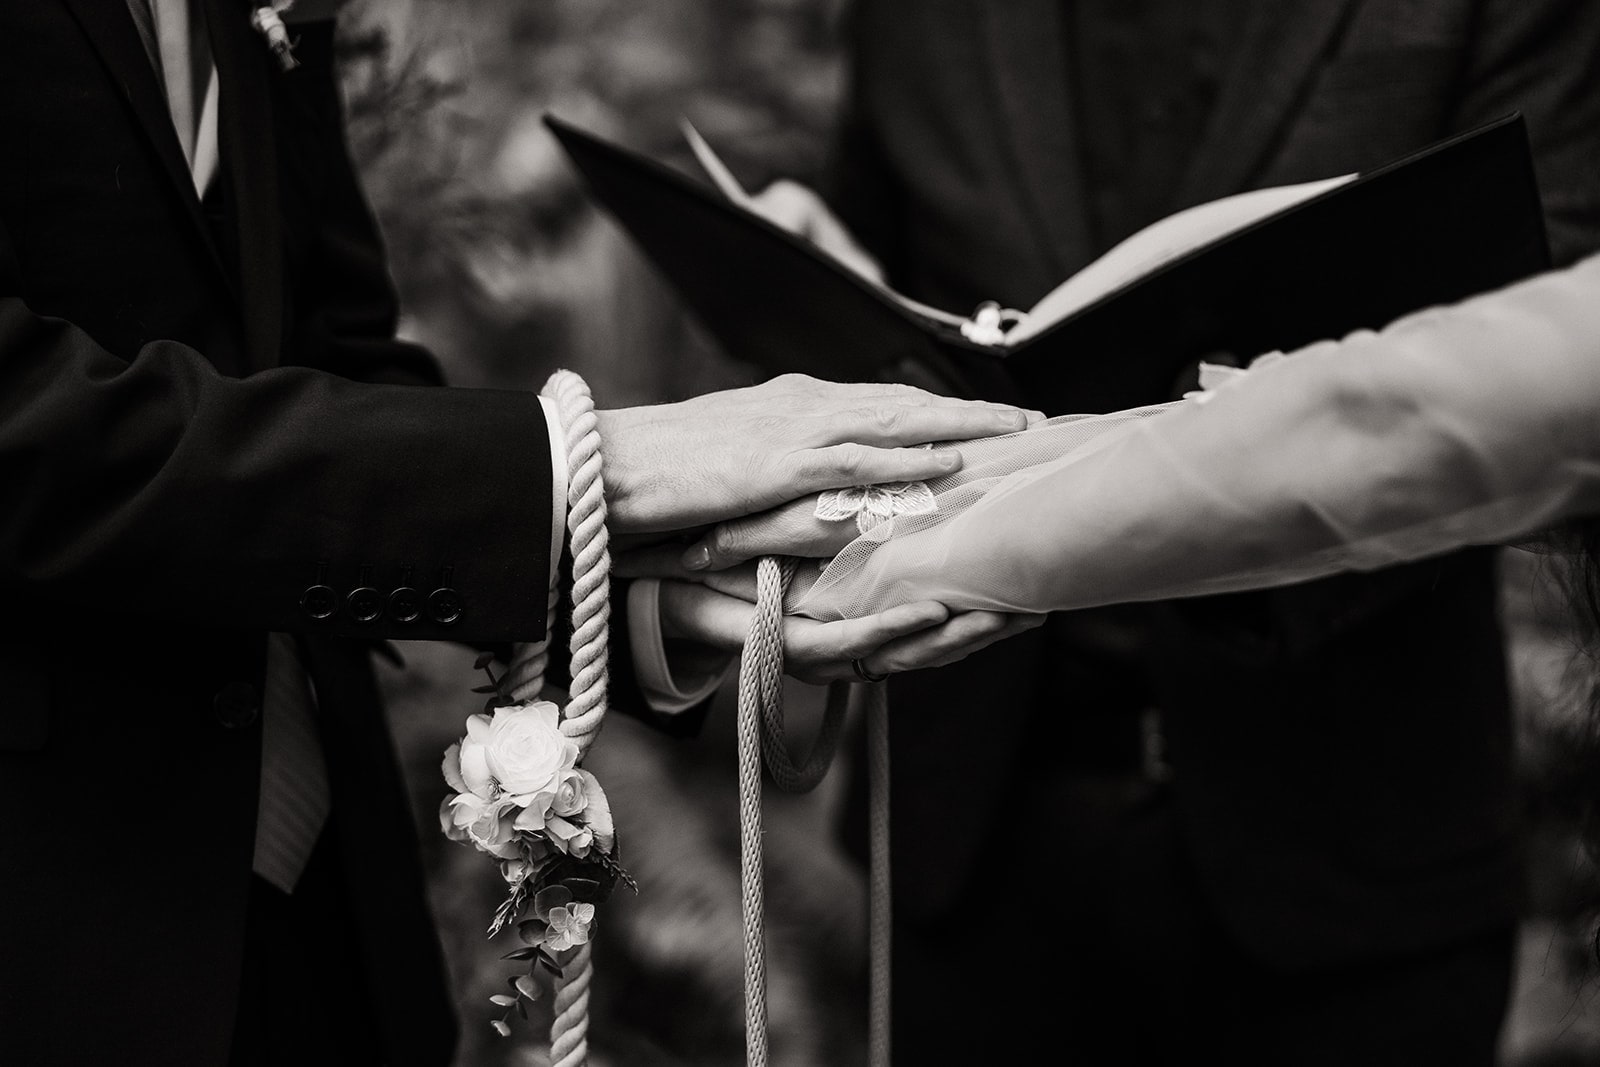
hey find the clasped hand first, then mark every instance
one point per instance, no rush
(752, 458)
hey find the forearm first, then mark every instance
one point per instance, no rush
(1473, 424)
(1466, 425)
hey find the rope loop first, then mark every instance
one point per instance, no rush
(585, 708)
(760, 732)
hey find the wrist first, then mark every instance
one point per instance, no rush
(618, 467)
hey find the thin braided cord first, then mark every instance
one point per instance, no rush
(878, 907)
(760, 678)
(780, 763)
(761, 733)
(586, 705)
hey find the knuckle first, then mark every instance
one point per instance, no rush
(889, 420)
(795, 382)
(726, 540)
(848, 459)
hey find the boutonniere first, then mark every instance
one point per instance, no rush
(267, 20)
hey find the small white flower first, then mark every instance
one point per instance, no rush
(569, 926)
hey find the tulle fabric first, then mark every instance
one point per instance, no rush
(1472, 424)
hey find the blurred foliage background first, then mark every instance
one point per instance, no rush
(507, 272)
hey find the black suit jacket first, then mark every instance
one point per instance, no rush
(1340, 750)
(204, 412)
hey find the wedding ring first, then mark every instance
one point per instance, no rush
(864, 674)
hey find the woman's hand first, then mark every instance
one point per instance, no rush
(717, 612)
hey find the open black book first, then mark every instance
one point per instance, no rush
(1270, 269)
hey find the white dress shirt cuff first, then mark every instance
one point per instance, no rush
(665, 693)
(558, 489)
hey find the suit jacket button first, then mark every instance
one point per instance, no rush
(364, 604)
(237, 705)
(319, 601)
(444, 605)
(405, 604)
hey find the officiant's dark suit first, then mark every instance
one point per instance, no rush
(178, 477)
(1323, 866)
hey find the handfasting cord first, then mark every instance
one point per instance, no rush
(761, 733)
(591, 617)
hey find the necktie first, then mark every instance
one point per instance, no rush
(294, 779)
(173, 32)
(294, 796)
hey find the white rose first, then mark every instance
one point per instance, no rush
(569, 798)
(522, 749)
(447, 820)
(570, 837)
(597, 812)
(515, 870)
(466, 765)
(483, 822)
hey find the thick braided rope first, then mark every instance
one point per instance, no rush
(760, 733)
(586, 705)
(569, 1031)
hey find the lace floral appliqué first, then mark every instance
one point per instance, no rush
(871, 504)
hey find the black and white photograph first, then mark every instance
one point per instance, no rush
(799, 533)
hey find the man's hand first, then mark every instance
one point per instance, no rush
(791, 529)
(739, 451)
(908, 637)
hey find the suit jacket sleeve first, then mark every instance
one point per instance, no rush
(157, 486)
(346, 313)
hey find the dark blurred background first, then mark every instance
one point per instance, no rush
(508, 273)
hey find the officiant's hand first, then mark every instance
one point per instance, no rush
(740, 451)
(904, 638)
(799, 209)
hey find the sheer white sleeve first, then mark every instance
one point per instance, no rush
(1477, 423)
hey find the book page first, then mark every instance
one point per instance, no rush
(1161, 242)
(724, 180)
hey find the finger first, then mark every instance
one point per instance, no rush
(830, 646)
(737, 581)
(840, 466)
(692, 612)
(957, 639)
(920, 419)
(829, 234)
(792, 529)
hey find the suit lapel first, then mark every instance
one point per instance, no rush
(110, 28)
(248, 149)
(1028, 54)
(1281, 45)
